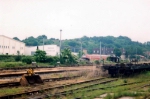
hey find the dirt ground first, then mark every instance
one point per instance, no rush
(81, 71)
(48, 69)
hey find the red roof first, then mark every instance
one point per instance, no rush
(96, 56)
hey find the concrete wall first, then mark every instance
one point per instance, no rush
(51, 50)
(11, 46)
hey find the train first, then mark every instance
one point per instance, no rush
(126, 69)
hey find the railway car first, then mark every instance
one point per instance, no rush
(125, 69)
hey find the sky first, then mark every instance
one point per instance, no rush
(76, 18)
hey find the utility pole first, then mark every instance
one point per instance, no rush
(60, 41)
(100, 52)
(136, 56)
(74, 50)
(43, 43)
(81, 49)
(136, 53)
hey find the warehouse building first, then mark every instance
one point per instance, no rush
(51, 50)
(9, 46)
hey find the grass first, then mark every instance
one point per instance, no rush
(8, 91)
(11, 64)
(132, 90)
(119, 91)
(19, 64)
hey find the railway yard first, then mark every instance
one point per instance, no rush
(83, 82)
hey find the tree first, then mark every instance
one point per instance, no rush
(40, 56)
(66, 57)
(80, 54)
(16, 38)
(18, 57)
(37, 48)
(117, 52)
(27, 59)
(126, 54)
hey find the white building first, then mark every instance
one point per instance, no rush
(10, 46)
(51, 50)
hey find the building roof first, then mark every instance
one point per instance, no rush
(11, 39)
(96, 56)
(42, 45)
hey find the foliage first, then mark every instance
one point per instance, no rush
(52, 60)
(18, 58)
(91, 43)
(80, 54)
(16, 38)
(40, 56)
(10, 58)
(11, 64)
(27, 59)
(117, 52)
(97, 62)
(67, 58)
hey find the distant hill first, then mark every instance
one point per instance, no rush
(90, 43)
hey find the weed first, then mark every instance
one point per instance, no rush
(125, 81)
(108, 96)
(149, 90)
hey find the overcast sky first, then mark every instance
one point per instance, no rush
(76, 18)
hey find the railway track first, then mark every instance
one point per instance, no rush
(77, 90)
(32, 92)
(12, 84)
(26, 67)
(39, 72)
(34, 67)
(71, 91)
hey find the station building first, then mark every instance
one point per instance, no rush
(51, 50)
(9, 46)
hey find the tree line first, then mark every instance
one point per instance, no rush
(89, 43)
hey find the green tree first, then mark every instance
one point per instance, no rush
(40, 56)
(16, 38)
(80, 54)
(27, 59)
(66, 57)
(18, 57)
(117, 52)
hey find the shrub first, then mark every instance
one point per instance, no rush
(27, 59)
(40, 56)
(97, 62)
(125, 81)
(18, 58)
(10, 59)
(49, 59)
(10, 65)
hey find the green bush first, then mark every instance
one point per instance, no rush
(49, 59)
(10, 58)
(27, 59)
(11, 64)
(97, 62)
(18, 58)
